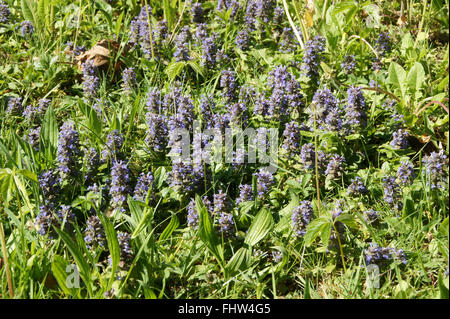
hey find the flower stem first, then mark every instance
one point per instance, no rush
(316, 163)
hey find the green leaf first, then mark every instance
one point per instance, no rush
(113, 246)
(174, 69)
(42, 9)
(206, 231)
(168, 13)
(29, 12)
(239, 261)
(4, 150)
(102, 8)
(49, 134)
(415, 79)
(314, 229)
(174, 223)
(343, 6)
(407, 43)
(6, 188)
(85, 271)
(398, 225)
(196, 67)
(397, 77)
(347, 220)
(443, 228)
(307, 291)
(119, 24)
(374, 12)
(259, 228)
(59, 266)
(325, 234)
(443, 287)
(28, 174)
(143, 222)
(94, 124)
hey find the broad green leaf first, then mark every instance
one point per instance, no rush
(144, 221)
(415, 80)
(41, 12)
(29, 12)
(85, 271)
(259, 228)
(285, 213)
(105, 13)
(397, 77)
(374, 12)
(407, 43)
(398, 225)
(168, 13)
(325, 234)
(4, 150)
(6, 188)
(443, 228)
(174, 69)
(343, 6)
(173, 225)
(137, 215)
(347, 220)
(239, 261)
(49, 134)
(307, 291)
(443, 287)
(19, 185)
(59, 266)
(94, 124)
(28, 174)
(119, 24)
(315, 228)
(196, 67)
(245, 207)
(113, 246)
(206, 231)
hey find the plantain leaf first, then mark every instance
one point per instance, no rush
(239, 261)
(415, 79)
(143, 222)
(174, 223)
(30, 12)
(113, 246)
(443, 288)
(49, 134)
(85, 271)
(41, 12)
(59, 266)
(206, 231)
(259, 228)
(94, 124)
(397, 77)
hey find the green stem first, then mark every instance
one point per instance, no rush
(316, 162)
(150, 31)
(324, 9)
(5, 257)
(341, 251)
(421, 21)
(294, 28)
